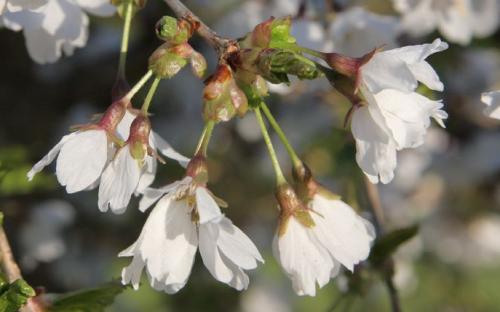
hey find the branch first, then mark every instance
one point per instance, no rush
(216, 41)
(9, 265)
(378, 212)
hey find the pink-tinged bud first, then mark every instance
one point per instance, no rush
(291, 206)
(197, 169)
(223, 99)
(138, 139)
(349, 66)
(113, 115)
(198, 64)
(166, 60)
(261, 34)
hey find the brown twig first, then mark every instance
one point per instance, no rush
(216, 41)
(378, 212)
(9, 265)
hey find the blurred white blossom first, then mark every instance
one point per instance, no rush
(41, 237)
(356, 31)
(492, 100)
(52, 27)
(457, 20)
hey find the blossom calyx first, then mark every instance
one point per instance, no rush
(175, 31)
(306, 185)
(349, 66)
(197, 169)
(114, 114)
(222, 97)
(291, 206)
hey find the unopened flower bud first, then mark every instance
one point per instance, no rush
(197, 169)
(166, 61)
(269, 34)
(276, 64)
(290, 205)
(175, 31)
(139, 137)
(223, 99)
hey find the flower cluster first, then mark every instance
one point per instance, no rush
(317, 232)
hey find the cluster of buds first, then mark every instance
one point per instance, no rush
(222, 97)
(270, 51)
(168, 59)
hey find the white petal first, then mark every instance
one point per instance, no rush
(123, 128)
(236, 246)
(42, 47)
(167, 150)
(82, 160)
(167, 245)
(132, 273)
(51, 155)
(387, 71)
(118, 182)
(208, 209)
(375, 150)
(303, 258)
(407, 115)
(414, 57)
(151, 195)
(492, 99)
(341, 231)
(148, 175)
(218, 265)
(455, 23)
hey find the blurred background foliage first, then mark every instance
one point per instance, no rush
(450, 186)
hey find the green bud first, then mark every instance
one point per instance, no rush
(167, 61)
(174, 31)
(275, 65)
(272, 33)
(223, 99)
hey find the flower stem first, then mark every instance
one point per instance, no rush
(125, 38)
(201, 148)
(280, 178)
(297, 163)
(149, 96)
(138, 85)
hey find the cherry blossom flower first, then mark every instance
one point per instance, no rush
(458, 20)
(313, 240)
(51, 27)
(492, 99)
(83, 154)
(134, 165)
(187, 217)
(357, 31)
(394, 116)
